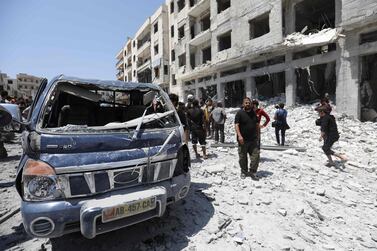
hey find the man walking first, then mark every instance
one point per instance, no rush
(281, 124)
(246, 125)
(195, 117)
(329, 135)
(218, 116)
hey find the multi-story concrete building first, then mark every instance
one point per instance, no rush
(298, 49)
(23, 85)
(145, 57)
(27, 85)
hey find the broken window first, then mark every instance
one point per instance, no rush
(181, 4)
(368, 37)
(166, 69)
(313, 82)
(208, 92)
(182, 60)
(206, 55)
(192, 31)
(174, 81)
(156, 49)
(192, 60)
(268, 62)
(368, 88)
(155, 27)
(134, 43)
(222, 5)
(157, 72)
(172, 6)
(315, 51)
(134, 58)
(181, 32)
(225, 41)
(145, 76)
(259, 26)
(233, 71)
(205, 23)
(234, 92)
(84, 108)
(172, 31)
(314, 16)
(269, 86)
(192, 3)
(173, 55)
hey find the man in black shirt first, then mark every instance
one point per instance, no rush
(195, 119)
(329, 135)
(246, 124)
(180, 107)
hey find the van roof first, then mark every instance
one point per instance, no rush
(107, 84)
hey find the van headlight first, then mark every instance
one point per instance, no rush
(40, 182)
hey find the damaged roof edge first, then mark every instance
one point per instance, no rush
(108, 84)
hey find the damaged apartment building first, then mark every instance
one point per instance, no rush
(299, 50)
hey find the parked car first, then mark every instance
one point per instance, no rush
(98, 156)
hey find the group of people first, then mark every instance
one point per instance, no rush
(22, 103)
(202, 120)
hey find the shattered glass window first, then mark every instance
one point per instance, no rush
(89, 109)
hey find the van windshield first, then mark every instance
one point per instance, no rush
(78, 108)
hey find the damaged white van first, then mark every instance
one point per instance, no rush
(99, 156)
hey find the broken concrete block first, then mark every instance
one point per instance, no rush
(321, 192)
(215, 169)
(282, 212)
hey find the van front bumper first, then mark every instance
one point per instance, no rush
(55, 218)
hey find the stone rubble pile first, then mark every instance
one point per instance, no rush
(298, 204)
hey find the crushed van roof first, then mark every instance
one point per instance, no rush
(108, 84)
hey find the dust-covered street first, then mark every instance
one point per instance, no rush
(298, 204)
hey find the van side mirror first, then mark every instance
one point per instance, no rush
(5, 117)
(11, 113)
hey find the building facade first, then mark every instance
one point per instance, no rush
(145, 57)
(24, 85)
(297, 49)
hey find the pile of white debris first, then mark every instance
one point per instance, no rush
(299, 204)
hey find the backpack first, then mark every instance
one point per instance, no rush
(218, 117)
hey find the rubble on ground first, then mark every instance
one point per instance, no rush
(298, 204)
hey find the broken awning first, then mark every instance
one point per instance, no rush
(322, 37)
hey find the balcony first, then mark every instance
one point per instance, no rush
(119, 63)
(201, 38)
(141, 66)
(144, 47)
(120, 75)
(199, 7)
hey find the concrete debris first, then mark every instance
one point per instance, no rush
(215, 169)
(321, 192)
(282, 212)
(322, 37)
(309, 207)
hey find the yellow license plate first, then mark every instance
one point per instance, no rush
(128, 209)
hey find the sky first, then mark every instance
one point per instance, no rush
(78, 38)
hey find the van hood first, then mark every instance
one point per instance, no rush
(68, 150)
